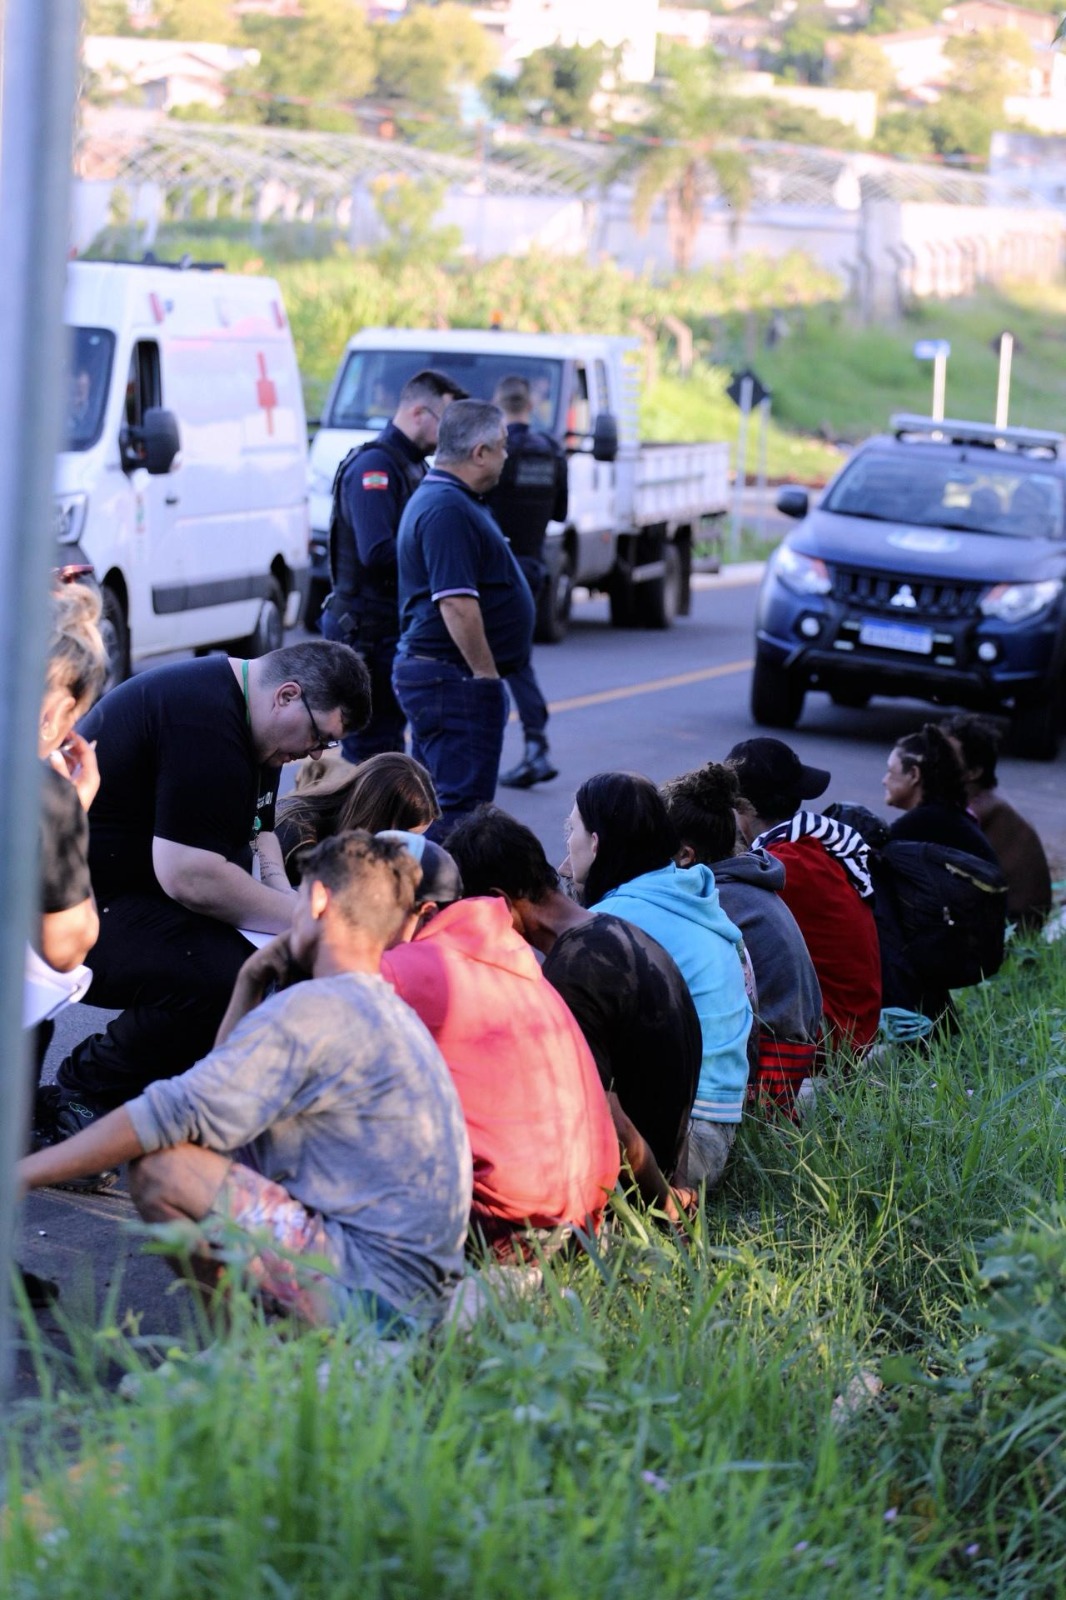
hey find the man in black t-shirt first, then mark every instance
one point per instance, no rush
(189, 757)
(628, 997)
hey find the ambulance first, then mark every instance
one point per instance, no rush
(182, 474)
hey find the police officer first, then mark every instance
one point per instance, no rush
(532, 492)
(370, 490)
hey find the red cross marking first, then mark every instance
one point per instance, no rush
(266, 392)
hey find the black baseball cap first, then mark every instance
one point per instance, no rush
(770, 766)
(441, 880)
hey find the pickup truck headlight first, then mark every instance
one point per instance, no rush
(804, 575)
(68, 517)
(1017, 602)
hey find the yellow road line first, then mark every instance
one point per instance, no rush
(653, 686)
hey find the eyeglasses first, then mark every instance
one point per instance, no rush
(321, 740)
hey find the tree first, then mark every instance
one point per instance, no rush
(209, 21)
(693, 156)
(802, 55)
(424, 57)
(406, 209)
(106, 18)
(860, 63)
(555, 86)
(311, 66)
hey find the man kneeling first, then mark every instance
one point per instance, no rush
(331, 1085)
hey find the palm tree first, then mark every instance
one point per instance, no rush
(685, 153)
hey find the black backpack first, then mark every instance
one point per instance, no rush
(951, 908)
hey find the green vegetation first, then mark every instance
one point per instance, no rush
(663, 1420)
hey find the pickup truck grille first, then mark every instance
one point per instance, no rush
(875, 591)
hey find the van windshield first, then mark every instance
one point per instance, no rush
(973, 495)
(369, 388)
(88, 376)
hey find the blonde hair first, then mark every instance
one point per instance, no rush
(77, 658)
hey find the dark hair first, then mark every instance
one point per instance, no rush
(430, 384)
(513, 396)
(635, 834)
(373, 881)
(702, 806)
(331, 675)
(464, 426)
(979, 740)
(931, 752)
(494, 851)
(389, 790)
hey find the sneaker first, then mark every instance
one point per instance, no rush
(56, 1118)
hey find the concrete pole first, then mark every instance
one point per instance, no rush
(740, 482)
(940, 383)
(40, 50)
(1006, 357)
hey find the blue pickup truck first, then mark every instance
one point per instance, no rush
(933, 567)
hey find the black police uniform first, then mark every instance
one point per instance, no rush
(370, 490)
(532, 492)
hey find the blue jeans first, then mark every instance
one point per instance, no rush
(529, 702)
(457, 724)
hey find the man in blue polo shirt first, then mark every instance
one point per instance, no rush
(466, 613)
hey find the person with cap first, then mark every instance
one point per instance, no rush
(544, 1146)
(532, 492)
(371, 487)
(827, 884)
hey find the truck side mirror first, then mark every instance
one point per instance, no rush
(604, 437)
(793, 501)
(154, 444)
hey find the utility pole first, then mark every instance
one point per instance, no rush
(38, 47)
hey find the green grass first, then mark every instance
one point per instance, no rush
(665, 1427)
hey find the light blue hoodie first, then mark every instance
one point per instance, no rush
(679, 907)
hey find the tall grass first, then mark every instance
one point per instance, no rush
(661, 1420)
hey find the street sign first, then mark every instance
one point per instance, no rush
(758, 392)
(931, 349)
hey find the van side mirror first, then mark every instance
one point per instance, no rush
(154, 444)
(604, 437)
(793, 501)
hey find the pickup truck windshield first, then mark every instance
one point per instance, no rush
(88, 384)
(972, 494)
(370, 384)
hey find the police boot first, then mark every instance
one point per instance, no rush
(536, 766)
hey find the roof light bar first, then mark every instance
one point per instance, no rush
(954, 431)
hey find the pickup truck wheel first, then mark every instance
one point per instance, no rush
(115, 633)
(269, 631)
(553, 606)
(1035, 729)
(777, 696)
(657, 602)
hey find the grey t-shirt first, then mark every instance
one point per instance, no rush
(335, 1090)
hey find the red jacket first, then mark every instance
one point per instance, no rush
(545, 1149)
(841, 936)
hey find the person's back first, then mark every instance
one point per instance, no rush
(935, 823)
(544, 1147)
(680, 908)
(634, 1009)
(1021, 856)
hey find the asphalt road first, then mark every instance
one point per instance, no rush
(658, 703)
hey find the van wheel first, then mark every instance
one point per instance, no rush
(777, 696)
(1034, 730)
(269, 631)
(658, 601)
(553, 609)
(115, 633)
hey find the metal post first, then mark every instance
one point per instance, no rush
(40, 48)
(760, 471)
(1006, 357)
(747, 389)
(940, 383)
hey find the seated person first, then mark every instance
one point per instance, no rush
(924, 780)
(628, 997)
(352, 1145)
(389, 790)
(620, 850)
(1016, 843)
(702, 806)
(827, 883)
(545, 1152)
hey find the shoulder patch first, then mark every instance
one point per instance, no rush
(375, 480)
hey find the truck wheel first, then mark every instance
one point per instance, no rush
(553, 608)
(115, 633)
(622, 595)
(269, 631)
(656, 603)
(777, 696)
(1035, 729)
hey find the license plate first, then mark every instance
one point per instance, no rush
(897, 636)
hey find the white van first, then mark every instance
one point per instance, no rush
(182, 476)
